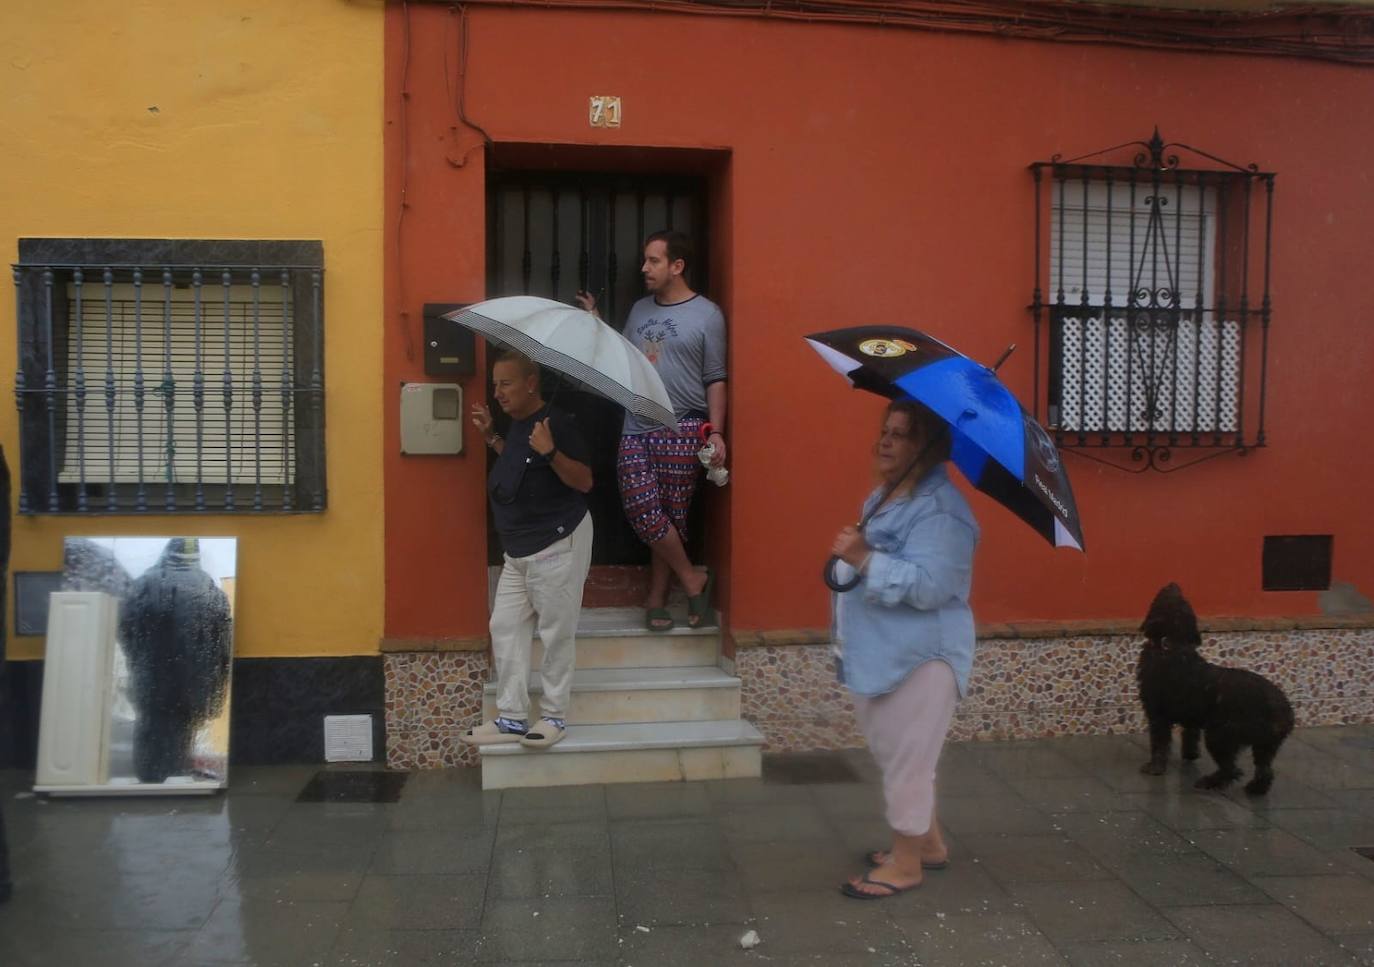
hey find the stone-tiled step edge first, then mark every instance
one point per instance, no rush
(626, 624)
(642, 735)
(744, 638)
(636, 679)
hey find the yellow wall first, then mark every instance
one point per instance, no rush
(250, 119)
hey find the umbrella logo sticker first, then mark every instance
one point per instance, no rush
(884, 348)
(1043, 445)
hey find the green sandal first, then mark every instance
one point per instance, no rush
(658, 619)
(700, 614)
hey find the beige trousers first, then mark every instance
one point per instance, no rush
(541, 591)
(906, 730)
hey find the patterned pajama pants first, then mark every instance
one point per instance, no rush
(658, 474)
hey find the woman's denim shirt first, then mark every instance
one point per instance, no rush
(912, 605)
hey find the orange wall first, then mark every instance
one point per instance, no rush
(880, 175)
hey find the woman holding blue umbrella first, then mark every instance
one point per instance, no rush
(903, 627)
(905, 634)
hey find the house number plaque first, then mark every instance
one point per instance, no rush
(604, 111)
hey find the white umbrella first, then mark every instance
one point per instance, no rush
(576, 344)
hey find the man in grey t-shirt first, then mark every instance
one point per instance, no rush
(683, 334)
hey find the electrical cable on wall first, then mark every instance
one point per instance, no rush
(1341, 33)
(459, 102)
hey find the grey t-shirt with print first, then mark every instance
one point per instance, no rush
(686, 343)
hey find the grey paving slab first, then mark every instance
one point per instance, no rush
(685, 845)
(974, 940)
(558, 804)
(1188, 809)
(657, 800)
(861, 800)
(443, 805)
(550, 872)
(1264, 935)
(1061, 795)
(1359, 945)
(663, 897)
(858, 836)
(335, 887)
(1002, 814)
(426, 902)
(38, 945)
(266, 932)
(1354, 800)
(808, 922)
(262, 859)
(780, 823)
(310, 827)
(434, 851)
(1286, 793)
(1036, 759)
(729, 794)
(361, 947)
(692, 945)
(1337, 904)
(171, 900)
(1261, 852)
(1067, 912)
(1122, 833)
(584, 835)
(1175, 880)
(1035, 859)
(558, 928)
(1061, 853)
(1327, 828)
(1163, 953)
(787, 867)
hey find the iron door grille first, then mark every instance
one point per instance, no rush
(552, 233)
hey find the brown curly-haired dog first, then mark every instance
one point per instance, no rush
(1231, 707)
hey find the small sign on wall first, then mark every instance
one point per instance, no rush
(604, 111)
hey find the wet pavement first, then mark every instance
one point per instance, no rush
(1061, 852)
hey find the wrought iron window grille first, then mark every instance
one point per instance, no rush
(1152, 304)
(162, 376)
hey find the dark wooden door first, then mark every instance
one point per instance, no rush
(550, 234)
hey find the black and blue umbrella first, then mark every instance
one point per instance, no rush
(996, 444)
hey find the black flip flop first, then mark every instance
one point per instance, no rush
(699, 605)
(850, 890)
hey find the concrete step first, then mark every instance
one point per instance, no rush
(617, 638)
(603, 696)
(644, 752)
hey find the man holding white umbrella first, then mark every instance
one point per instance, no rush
(537, 489)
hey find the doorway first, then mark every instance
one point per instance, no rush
(550, 234)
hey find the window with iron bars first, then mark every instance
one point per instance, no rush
(169, 376)
(1153, 304)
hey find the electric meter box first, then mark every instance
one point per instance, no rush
(431, 418)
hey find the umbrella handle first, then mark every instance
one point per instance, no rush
(828, 575)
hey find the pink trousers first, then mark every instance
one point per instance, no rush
(906, 730)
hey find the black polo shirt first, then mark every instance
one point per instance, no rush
(530, 506)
